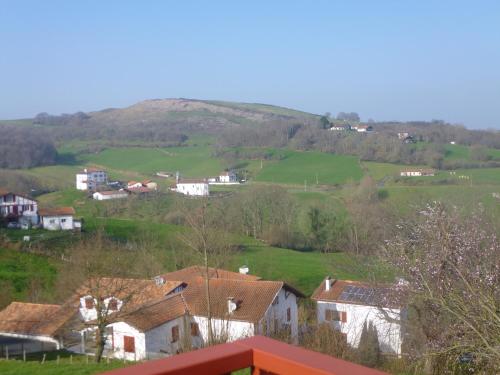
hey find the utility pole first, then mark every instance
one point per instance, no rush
(305, 185)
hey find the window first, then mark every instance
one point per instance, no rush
(52, 221)
(89, 303)
(195, 330)
(288, 314)
(175, 334)
(63, 220)
(109, 333)
(335, 316)
(112, 304)
(129, 344)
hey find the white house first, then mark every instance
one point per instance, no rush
(363, 128)
(160, 317)
(192, 187)
(18, 207)
(60, 218)
(111, 194)
(91, 179)
(347, 305)
(228, 177)
(346, 127)
(417, 172)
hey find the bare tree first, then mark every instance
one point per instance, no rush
(452, 266)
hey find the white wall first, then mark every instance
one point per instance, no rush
(278, 310)
(389, 333)
(230, 329)
(90, 180)
(81, 181)
(63, 222)
(104, 197)
(200, 189)
(115, 344)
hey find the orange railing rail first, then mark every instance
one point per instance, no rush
(263, 355)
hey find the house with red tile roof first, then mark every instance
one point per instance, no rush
(18, 207)
(59, 218)
(347, 305)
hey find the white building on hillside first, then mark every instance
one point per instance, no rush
(18, 207)
(417, 172)
(192, 187)
(163, 316)
(91, 179)
(60, 218)
(347, 305)
(228, 177)
(110, 194)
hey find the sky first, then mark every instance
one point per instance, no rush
(386, 60)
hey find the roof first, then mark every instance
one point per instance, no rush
(139, 190)
(5, 192)
(354, 292)
(192, 273)
(136, 291)
(253, 298)
(32, 318)
(154, 314)
(133, 182)
(111, 192)
(90, 170)
(57, 211)
(192, 181)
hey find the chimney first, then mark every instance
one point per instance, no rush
(177, 176)
(231, 305)
(244, 270)
(327, 283)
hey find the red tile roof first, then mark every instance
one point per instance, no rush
(192, 181)
(57, 211)
(191, 273)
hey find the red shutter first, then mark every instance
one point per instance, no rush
(89, 303)
(175, 333)
(195, 330)
(129, 344)
(328, 315)
(343, 316)
(113, 305)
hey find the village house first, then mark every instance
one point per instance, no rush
(417, 172)
(91, 179)
(192, 187)
(160, 317)
(109, 194)
(146, 184)
(228, 177)
(362, 128)
(347, 305)
(59, 218)
(345, 127)
(18, 208)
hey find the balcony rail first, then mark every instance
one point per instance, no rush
(263, 355)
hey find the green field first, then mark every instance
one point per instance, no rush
(311, 168)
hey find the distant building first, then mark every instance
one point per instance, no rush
(224, 178)
(18, 207)
(406, 137)
(417, 172)
(347, 305)
(60, 218)
(345, 127)
(91, 179)
(110, 194)
(192, 187)
(146, 184)
(363, 128)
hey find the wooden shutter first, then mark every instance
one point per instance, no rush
(195, 331)
(328, 315)
(129, 344)
(89, 303)
(343, 317)
(288, 314)
(113, 304)
(175, 333)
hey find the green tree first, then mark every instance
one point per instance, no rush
(369, 347)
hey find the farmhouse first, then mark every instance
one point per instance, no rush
(143, 184)
(417, 172)
(17, 207)
(192, 187)
(363, 128)
(91, 179)
(345, 127)
(160, 317)
(60, 218)
(347, 305)
(110, 194)
(227, 177)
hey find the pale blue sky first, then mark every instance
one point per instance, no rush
(387, 60)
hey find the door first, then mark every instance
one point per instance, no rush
(129, 344)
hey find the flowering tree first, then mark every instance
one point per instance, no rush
(451, 263)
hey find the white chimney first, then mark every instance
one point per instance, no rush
(327, 283)
(244, 270)
(231, 305)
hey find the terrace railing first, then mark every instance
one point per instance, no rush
(262, 355)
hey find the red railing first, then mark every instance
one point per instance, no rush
(263, 355)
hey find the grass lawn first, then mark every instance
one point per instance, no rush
(311, 167)
(77, 365)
